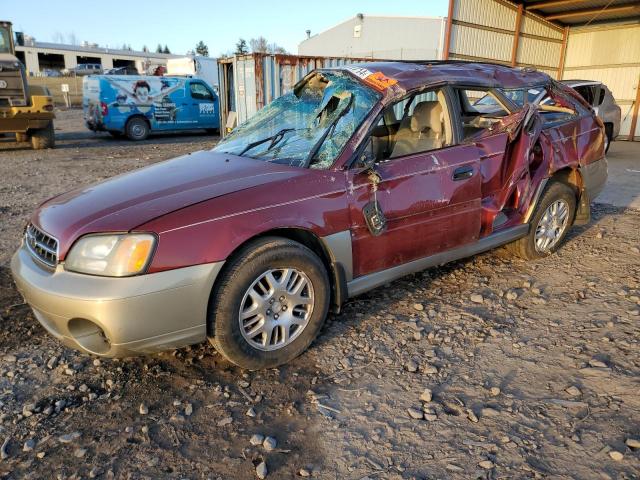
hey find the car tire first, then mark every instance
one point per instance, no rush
(137, 129)
(22, 137)
(42, 138)
(550, 222)
(608, 133)
(256, 339)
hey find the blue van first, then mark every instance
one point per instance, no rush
(136, 105)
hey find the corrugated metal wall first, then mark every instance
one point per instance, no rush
(610, 54)
(485, 30)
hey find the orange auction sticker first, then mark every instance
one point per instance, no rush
(380, 81)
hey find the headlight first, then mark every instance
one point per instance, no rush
(111, 255)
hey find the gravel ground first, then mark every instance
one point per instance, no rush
(486, 368)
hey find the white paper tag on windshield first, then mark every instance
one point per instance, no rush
(359, 72)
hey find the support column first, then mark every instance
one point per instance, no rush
(447, 32)
(634, 117)
(516, 36)
(563, 53)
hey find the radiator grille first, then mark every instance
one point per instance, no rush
(43, 247)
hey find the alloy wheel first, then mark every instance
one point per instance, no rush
(551, 226)
(276, 308)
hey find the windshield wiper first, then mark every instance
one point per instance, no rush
(330, 129)
(275, 138)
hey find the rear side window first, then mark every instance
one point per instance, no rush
(200, 92)
(479, 110)
(603, 93)
(520, 96)
(560, 108)
(587, 92)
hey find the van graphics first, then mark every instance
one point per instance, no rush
(166, 102)
(207, 108)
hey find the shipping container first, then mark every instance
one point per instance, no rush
(249, 82)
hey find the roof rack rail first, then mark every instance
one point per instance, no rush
(451, 62)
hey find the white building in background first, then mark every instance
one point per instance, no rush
(380, 37)
(39, 56)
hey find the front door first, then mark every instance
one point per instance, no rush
(427, 188)
(204, 110)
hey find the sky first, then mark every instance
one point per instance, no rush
(181, 24)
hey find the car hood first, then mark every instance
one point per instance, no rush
(122, 203)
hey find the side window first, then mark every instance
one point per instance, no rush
(200, 92)
(586, 92)
(417, 123)
(480, 109)
(601, 95)
(556, 108)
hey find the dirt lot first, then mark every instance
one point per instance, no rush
(533, 368)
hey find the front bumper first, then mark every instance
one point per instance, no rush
(118, 317)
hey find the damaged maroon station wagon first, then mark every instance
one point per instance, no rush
(360, 175)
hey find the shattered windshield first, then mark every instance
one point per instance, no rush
(308, 127)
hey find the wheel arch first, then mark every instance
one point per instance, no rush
(306, 237)
(572, 178)
(137, 115)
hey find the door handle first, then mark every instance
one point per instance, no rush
(462, 173)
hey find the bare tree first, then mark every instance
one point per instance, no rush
(275, 48)
(259, 45)
(262, 45)
(57, 37)
(72, 39)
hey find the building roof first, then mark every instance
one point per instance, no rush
(94, 50)
(410, 74)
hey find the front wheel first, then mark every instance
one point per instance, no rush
(42, 138)
(269, 304)
(549, 224)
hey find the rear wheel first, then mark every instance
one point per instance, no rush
(42, 138)
(549, 224)
(269, 304)
(608, 133)
(137, 129)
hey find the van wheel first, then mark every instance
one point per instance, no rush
(269, 304)
(137, 129)
(42, 138)
(22, 137)
(549, 224)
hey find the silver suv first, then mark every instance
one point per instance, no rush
(601, 99)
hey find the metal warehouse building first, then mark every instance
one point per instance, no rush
(381, 37)
(568, 39)
(39, 56)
